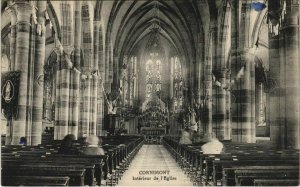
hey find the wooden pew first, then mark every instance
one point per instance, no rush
(234, 174)
(76, 175)
(245, 176)
(119, 156)
(222, 161)
(276, 182)
(34, 181)
(218, 165)
(58, 160)
(99, 162)
(248, 154)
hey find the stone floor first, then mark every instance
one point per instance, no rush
(154, 166)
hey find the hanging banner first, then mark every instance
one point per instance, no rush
(10, 93)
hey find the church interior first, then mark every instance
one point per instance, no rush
(174, 92)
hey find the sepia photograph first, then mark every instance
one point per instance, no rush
(150, 93)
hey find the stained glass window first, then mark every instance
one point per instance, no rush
(153, 58)
(153, 75)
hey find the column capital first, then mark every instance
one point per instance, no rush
(23, 7)
(23, 10)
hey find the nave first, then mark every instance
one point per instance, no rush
(147, 72)
(132, 161)
(154, 159)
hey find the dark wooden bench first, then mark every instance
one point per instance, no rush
(34, 181)
(276, 182)
(119, 155)
(235, 174)
(218, 165)
(190, 157)
(56, 162)
(76, 175)
(99, 162)
(245, 176)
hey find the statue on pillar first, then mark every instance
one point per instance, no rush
(8, 92)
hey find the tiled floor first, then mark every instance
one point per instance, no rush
(154, 166)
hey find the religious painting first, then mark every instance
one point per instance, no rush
(10, 93)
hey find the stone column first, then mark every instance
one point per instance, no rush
(101, 63)
(115, 82)
(191, 85)
(64, 86)
(31, 62)
(200, 63)
(109, 75)
(243, 113)
(77, 31)
(291, 78)
(97, 96)
(96, 44)
(67, 26)
(76, 99)
(62, 100)
(94, 80)
(208, 128)
(274, 93)
(234, 62)
(23, 10)
(13, 35)
(38, 86)
(84, 109)
(87, 68)
(217, 109)
(74, 102)
(199, 77)
(172, 62)
(101, 68)
(131, 72)
(57, 92)
(221, 116)
(273, 96)
(93, 107)
(135, 78)
(108, 66)
(100, 111)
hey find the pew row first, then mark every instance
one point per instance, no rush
(225, 168)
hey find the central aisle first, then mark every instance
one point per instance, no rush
(154, 166)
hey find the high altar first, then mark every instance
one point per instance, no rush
(154, 117)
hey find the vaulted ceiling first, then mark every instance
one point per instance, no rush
(127, 23)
